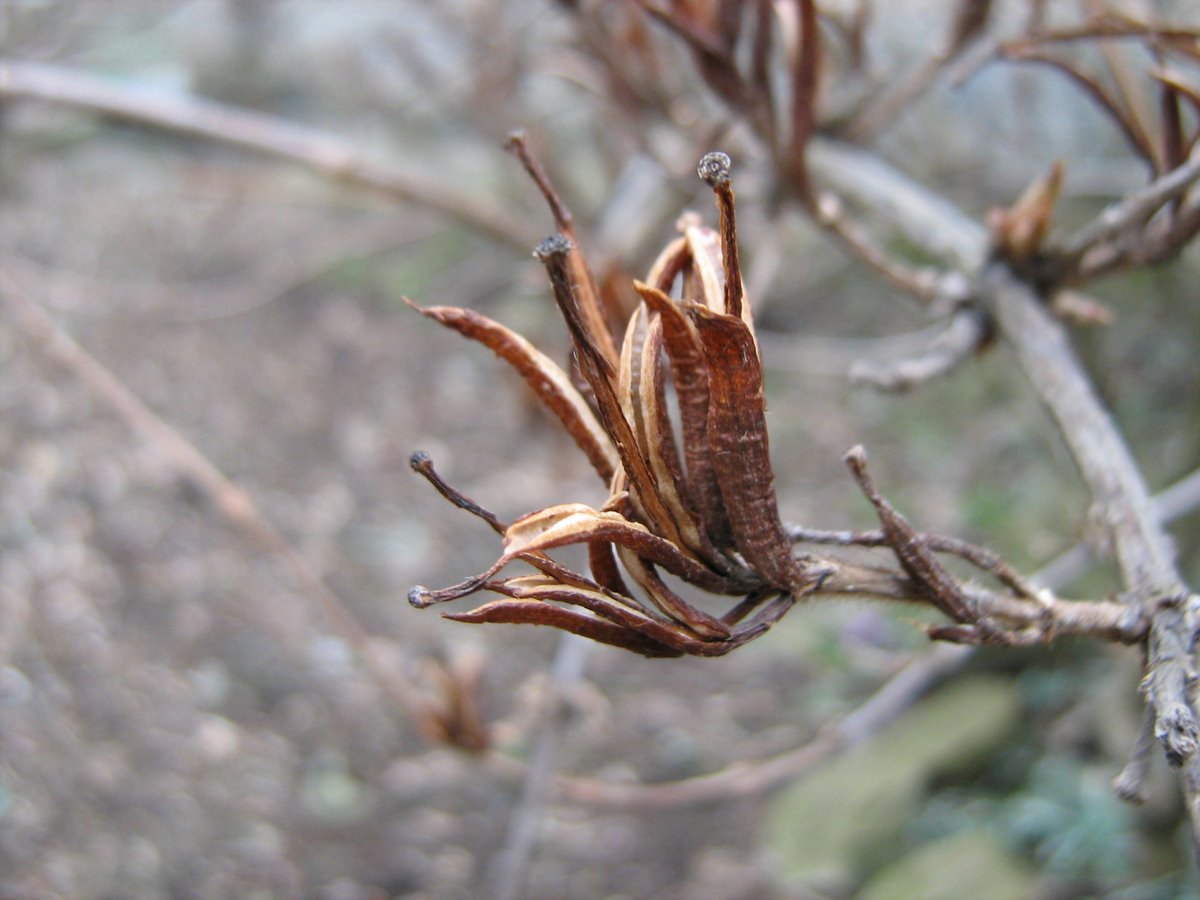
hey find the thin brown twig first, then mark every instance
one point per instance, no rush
(983, 559)
(1124, 117)
(310, 147)
(806, 77)
(914, 554)
(1130, 99)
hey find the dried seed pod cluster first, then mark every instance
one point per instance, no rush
(705, 513)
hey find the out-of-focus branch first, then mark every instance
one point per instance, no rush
(923, 218)
(1136, 208)
(1109, 27)
(967, 25)
(512, 863)
(960, 339)
(1179, 499)
(748, 779)
(1104, 460)
(925, 284)
(277, 276)
(1099, 246)
(309, 147)
(231, 501)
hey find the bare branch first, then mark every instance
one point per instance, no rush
(1180, 498)
(960, 339)
(1104, 459)
(1097, 246)
(260, 133)
(923, 218)
(1130, 783)
(1177, 500)
(1044, 353)
(925, 284)
(1171, 675)
(512, 862)
(983, 559)
(1134, 210)
(749, 779)
(968, 23)
(231, 501)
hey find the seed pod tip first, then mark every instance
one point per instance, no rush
(714, 168)
(555, 245)
(856, 457)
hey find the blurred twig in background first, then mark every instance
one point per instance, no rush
(259, 133)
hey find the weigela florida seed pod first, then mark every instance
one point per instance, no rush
(706, 515)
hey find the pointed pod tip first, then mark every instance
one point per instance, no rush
(714, 168)
(413, 304)
(555, 245)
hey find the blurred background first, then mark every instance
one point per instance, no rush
(180, 714)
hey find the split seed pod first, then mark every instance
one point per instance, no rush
(704, 513)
